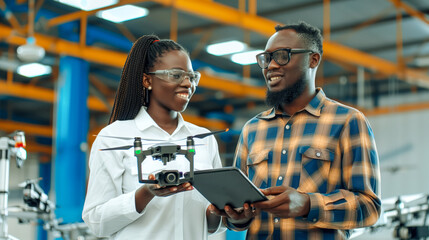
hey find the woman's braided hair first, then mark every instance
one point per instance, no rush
(130, 96)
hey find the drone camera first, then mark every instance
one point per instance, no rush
(168, 178)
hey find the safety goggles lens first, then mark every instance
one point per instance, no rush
(178, 76)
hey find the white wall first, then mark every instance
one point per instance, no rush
(403, 145)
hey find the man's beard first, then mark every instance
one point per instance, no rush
(287, 95)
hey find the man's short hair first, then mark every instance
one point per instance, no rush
(311, 35)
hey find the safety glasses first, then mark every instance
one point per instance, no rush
(281, 56)
(177, 76)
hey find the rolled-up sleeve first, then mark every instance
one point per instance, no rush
(107, 209)
(357, 203)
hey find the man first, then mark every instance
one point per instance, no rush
(314, 158)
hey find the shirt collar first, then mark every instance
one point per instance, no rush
(144, 121)
(314, 107)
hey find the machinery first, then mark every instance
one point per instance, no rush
(404, 216)
(37, 205)
(12, 145)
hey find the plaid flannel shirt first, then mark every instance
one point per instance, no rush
(326, 150)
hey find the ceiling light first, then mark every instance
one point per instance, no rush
(33, 70)
(422, 62)
(245, 58)
(123, 13)
(30, 52)
(89, 4)
(224, 48)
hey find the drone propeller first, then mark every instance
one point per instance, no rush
(128, 138)
(203, 135)
(126, 147)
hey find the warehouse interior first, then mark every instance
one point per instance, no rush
(376, 59)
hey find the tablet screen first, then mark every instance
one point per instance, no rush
(226, 186)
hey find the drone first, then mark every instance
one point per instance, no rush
(403, 214)
(165, 152)
(35, 197)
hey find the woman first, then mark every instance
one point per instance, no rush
(157, 83)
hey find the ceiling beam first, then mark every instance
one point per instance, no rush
(396, 109)
(48, 95)
(42, 94)
(33, 147)
(30, 129)
(213, 82)
(231, 16)
(103, 56)
(62, 47)
(83, 14)
(410, 10)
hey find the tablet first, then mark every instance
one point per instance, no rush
(228, 185)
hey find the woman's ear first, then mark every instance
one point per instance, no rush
(314, 60)
(147, 80)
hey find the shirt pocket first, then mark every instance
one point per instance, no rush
(257, 165)
(315, 169)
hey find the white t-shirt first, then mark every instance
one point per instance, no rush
(109, 209)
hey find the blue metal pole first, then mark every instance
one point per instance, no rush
(232, 235)
(72, 120)
(45, 184)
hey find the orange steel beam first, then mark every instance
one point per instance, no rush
(326, 19)
(173, 24)
(396, 109)
(231, 16)
(63, 47)
(31, 129)
(79, 14)
(42, 94)
(223, 14)
(10, 16)
(33, 147)
(337, 52)
(26, 91)
(83, 25)
(94, 54)
(222, 84)
(48, 95)
(410, 10)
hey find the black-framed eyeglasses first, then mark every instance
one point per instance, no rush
(177, 76)
(281, 56)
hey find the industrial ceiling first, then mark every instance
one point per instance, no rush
(373, 49)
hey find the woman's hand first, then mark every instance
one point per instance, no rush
(148, 191)
(159, 191)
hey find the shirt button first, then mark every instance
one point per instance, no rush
(284, 151)
(314, 220)
(276, 220)
(287, 127)
(318, 154)
(280, 178)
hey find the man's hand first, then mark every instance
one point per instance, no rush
(286, 203)
(240, 216)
